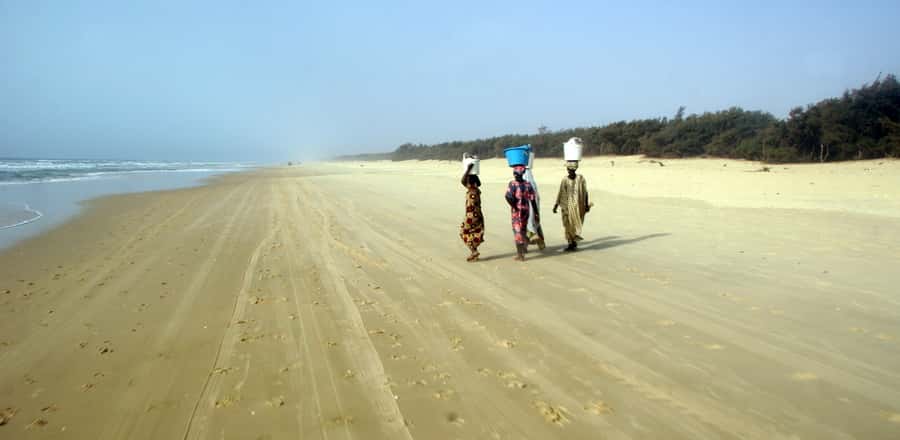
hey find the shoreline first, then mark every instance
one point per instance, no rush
(333, 300)
(65, 200)
(595, 166)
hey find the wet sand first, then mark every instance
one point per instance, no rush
(334, 301)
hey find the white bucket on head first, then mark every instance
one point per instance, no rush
(573, 149)
(470, 160)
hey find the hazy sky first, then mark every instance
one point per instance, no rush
(221, 80)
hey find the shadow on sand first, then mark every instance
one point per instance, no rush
(596, 244)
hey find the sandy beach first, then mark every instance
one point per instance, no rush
(709, 300)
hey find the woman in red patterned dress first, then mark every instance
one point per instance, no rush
(521, 199)
(472, 229)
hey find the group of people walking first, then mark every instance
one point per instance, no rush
(524, 202)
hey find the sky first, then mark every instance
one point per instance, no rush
(271, 81)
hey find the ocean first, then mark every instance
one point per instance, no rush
(37, 194)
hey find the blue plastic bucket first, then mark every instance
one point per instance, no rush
(517, 155)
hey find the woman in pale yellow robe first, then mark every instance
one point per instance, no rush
(573, 199)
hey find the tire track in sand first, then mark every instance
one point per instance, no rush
(212, 384)
(125, 426)
(358, 344)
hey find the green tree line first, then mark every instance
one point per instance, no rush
(863, 123)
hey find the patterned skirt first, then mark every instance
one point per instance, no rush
(471, 231)
(520, 225)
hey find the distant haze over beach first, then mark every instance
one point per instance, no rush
(214, 81)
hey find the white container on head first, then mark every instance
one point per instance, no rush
(573, 149)
(530, 160)
(469, 159)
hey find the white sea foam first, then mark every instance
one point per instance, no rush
(34, 216)
(22, 171)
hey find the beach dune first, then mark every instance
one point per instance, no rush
(710, 300)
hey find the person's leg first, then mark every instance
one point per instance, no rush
(473, 256)
(520, 251)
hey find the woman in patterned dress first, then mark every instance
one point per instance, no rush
(521, 199)
(472, 229)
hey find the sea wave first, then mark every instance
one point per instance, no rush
(19, 171)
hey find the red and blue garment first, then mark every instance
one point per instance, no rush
(519, 195)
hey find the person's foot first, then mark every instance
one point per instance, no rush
(473, 257)
(541, 244)
(572, 247)
(578, 238)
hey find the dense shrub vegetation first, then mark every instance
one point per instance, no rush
(863, 123)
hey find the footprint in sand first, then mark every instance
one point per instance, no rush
(556, 415)
(7, 414)
(454, 418)
(37, 423)
(804, 376)
(341, 421)
(713, 347)
(226, 402)
(511, 380)
(443, 394)
(506, 343)
(456, 343)
(884, 337)
(516, 384)
(665, 323)
(893, 417)
(105, 348)
(250, 338)
(276, 402)
(598, 407)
